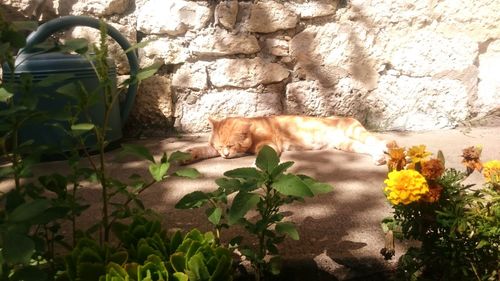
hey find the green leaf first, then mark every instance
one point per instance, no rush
(191, 173)
(148, 71)
(214, 215)
(6, 171)
(178, 262)
(197, 266)
(29, 273)
(244, 173)
(70, 90)
(292, 185)
(25, 25)
(180, 276)
(315, 186)
(138, 45)
(192, 200)
(275, 265)
(51, 79)
(138, 150)
(440, 156)
(179, 156)
(242, 203)
(79, 45)
(82, 127)
(482, 243)
(287, 228)
(281, 168)
(158, 171)
(4, 94)
(267, 159)
(29, 210)
(17, 248)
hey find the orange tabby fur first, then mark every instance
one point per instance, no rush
(237, 136)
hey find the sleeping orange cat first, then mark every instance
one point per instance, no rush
(237, 136)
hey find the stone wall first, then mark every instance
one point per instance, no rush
(393, 64)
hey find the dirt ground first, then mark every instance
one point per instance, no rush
(340, 233)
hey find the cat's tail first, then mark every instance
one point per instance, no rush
(199, 153)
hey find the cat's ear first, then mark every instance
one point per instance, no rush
(212, 122)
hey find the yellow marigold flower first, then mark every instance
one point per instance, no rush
(471, 160)
(432, 169)
(418, 153)
(405, 186)
(397, 158)
(491, 171)
(434, 193)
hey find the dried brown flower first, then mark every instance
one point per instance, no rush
(434, 193)
(471, 160)
(432, 169)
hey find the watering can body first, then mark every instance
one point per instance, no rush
(77, 70)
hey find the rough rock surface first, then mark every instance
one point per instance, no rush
(172, 17)
(270, 16)
(226, 13)
(193, 109)
(191, 75)
(153, 104)
(403, 102)
(246, 73)
(222, 43)
(488, 96)
(163, 50)
(393, 64)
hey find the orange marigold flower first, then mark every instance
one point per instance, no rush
(432, 169)
(471, 158)
(397, 158)
(491, 171)
(405, 186)
(434, 193)
(418, 153)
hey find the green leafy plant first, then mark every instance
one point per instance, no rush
(457, 224)
(264, 189)
(36, 208)
(193, 256)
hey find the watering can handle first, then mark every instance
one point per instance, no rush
(45, 30)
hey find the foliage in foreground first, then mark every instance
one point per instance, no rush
(264, 190)
(457, 225)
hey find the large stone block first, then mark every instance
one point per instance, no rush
(309, 97)
(222, 43)
(488, 97)
(172, 17)
(427, 53)
(270, 16)
(163, 50)
(226, 13)
(153, 105)
(93, 7)
(246, 73)
(193, 109)
(312, 9)
(476, 19)
(392, 14)
(330, 52)
(191, 75)
(417, 103)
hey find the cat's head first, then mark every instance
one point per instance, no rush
(231, 136)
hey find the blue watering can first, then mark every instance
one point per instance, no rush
(40, 66)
